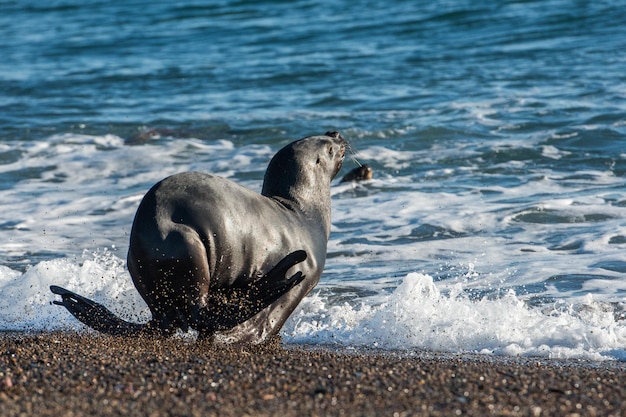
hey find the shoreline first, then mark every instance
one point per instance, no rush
(89, 374)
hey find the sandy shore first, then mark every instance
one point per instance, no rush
(60, 374)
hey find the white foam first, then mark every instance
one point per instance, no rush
(553, 152)
(418, 316)
(26, 301)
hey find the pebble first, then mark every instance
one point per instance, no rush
(86, 374)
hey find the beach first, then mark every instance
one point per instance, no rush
(73, 373)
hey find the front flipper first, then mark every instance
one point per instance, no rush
(96, 315)
(229, 307)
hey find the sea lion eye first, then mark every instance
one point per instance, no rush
(329, 147)
(318, 161)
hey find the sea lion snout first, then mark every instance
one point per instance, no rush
(337, 149)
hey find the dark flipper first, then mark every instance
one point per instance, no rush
(96, 315)
(274, 284)
(229, 307)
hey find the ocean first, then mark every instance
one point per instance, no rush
(496, 219)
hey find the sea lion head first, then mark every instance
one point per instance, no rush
(361, 173)
(302, 171)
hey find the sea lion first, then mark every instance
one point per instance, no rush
(208, 254)
(361, 173)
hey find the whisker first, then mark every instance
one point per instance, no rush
(356, 161)
(353, 153)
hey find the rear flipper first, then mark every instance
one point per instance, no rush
(96, 315)
(229, 307)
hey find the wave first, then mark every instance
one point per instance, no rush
(419, 314)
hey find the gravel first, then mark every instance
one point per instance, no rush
(87, 374)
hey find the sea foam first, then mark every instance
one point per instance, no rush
(26, 300)
(419, 314)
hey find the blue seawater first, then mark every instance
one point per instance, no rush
(496, 219)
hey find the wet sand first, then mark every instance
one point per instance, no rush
(57, 374)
